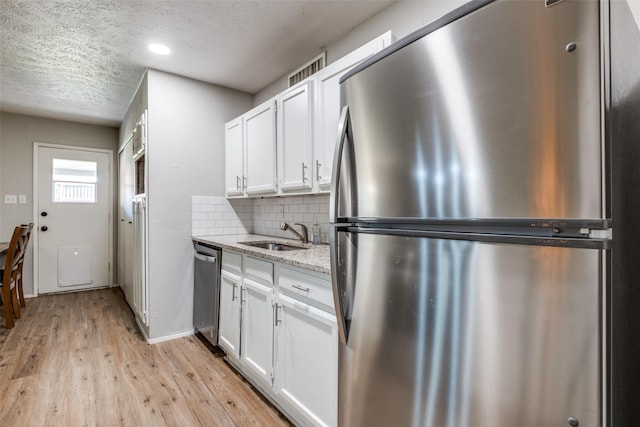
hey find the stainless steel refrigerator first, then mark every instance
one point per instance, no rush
(482, 195)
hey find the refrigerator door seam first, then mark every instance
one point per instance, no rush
(601, 244)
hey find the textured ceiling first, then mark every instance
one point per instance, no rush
(82, 60)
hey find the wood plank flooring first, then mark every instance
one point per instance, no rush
(78, 360)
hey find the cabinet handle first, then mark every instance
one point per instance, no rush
(233, 293)
(304, 168)
(318, 165)
(300, 288)
(276, 307)
(237, 182)
(242, 290)
(244, 183)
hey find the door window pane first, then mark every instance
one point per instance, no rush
(74, 181)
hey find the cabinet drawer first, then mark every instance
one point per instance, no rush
(258, 270)
(306, 287)
(232, 262)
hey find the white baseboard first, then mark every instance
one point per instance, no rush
(170, 337)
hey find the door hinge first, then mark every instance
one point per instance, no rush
(109, 266)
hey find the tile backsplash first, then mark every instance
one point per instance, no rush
(219, 216)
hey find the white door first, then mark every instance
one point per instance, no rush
(295, 138)
(260, 139)
(306, 376)
(234, 158)
(257, 330)
(125, 223)
(229, 323)
(73, 219)
(328, 106)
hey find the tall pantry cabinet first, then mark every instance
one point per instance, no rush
(183, 157)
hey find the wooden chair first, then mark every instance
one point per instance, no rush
(10, 274)
(23, 247)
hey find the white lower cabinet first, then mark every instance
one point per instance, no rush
(256, 331)
(282, 335)
(306, 371)
(229, 323)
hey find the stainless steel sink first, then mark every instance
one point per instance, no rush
(273, 246)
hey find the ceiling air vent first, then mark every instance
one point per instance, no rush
(308, 69)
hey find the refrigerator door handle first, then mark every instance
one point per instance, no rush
(337, 163)
(337, 288)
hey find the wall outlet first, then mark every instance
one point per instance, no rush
(22, 199)
(10, 199)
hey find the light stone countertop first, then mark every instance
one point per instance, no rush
(314, 258)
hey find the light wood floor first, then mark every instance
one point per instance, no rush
(78, 360)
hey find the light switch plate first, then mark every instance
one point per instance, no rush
(22, 199)
(10, 199)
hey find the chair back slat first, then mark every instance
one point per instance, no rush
(10, 276)
(13, 252)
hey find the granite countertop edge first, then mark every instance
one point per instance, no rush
(315, 258)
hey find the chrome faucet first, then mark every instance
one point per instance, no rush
(304, 237)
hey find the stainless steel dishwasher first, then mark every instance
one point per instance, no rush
(206, 290)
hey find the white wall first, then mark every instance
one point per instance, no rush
(17, 135)
(634, 5)
(185, 157)
(402, 18)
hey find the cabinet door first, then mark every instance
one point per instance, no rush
(257, 330)
(295, 138)
(140, 288)
(125, 223)
(328, 106)
(260, 140)
(306, 375)
(229, 323)
(234, 158)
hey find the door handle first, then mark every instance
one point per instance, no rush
(337, 163)
(343, 331)
(44, 228)
(205, 258)
(276, 307)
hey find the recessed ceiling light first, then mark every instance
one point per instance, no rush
(160, 49)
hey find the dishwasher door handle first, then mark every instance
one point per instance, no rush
(205, 258)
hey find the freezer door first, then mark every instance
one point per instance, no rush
(496, 115)
(452, 333)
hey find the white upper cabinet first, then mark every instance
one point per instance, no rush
(327, 109)
(285, 145)
(260, 140)
(234, 158)
(295, 138)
